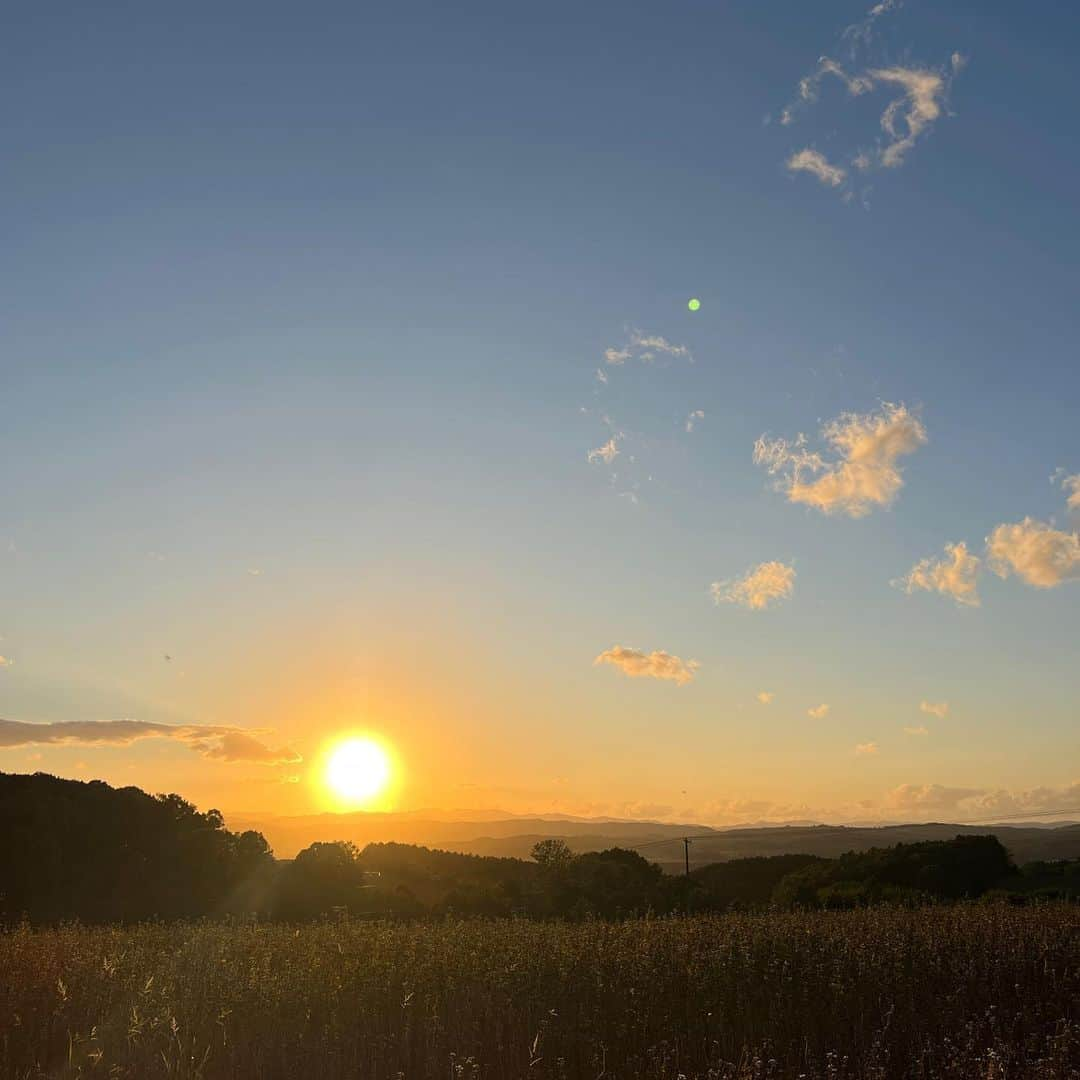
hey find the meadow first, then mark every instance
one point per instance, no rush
(953, 991)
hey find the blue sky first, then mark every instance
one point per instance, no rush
(303, 310)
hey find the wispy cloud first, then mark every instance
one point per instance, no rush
(646, 348)
(930, 797)
(5, 662)
(694, 417)
(758, 589)
(1035, 552)
(653, 665)
(940, 709)
(906, 119)
(863, 471)
(955, 575)
(1071, 485)
(818, 712)
(860, 34)
(606, 453)
(920, 730)
(816, 164)
(649, 345)
(981, 803)
(866, 749)
(911, 115)
(766, 697)
(214, 741)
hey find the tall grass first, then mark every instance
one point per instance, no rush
(970, 991)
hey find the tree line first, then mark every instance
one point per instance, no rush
(99, 854)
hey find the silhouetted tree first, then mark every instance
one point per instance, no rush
(86, 850)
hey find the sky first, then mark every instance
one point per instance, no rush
(350, 383)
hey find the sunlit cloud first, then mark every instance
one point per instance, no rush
(653, 665)
(955, 575)
(693, 418)
(236, 746)
(940, 709)
(817, 165)
(981, 804)
(908, 117)
(920, 730)
(866, 749)
(862, 471)
(606, 453)
(213, 741)
(646, 348)
(649, 345)
(758, 589)
(809, 86)
(766, 697)
(5, 662)
(1071, 485)
(1035, 552)
(818, 712)
(930, 797)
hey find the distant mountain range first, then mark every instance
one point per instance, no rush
(497, 833)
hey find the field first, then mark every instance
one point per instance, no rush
(968, 991)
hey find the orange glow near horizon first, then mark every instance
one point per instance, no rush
(359, 771)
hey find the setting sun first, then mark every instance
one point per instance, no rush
(357, 771)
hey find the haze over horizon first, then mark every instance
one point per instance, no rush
(612, 410)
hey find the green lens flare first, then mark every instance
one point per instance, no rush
(694, 304)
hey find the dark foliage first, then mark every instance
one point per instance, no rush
(89, 851)
(99, 854)
(965, 867)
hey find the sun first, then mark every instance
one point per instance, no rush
(358, 770)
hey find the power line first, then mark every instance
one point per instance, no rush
(1024, 817)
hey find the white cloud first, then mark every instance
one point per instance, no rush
(955, 575)
(1036, 552)
(693, 418)
(211, 740)
(909, 116)
(940, 709)
(766, 697)
(766, 584)
(920, 730)
(654, 665)
(606, 453)
(818, 712)
(616, 356)
(818, 165)
(864, 472)
(866, 749)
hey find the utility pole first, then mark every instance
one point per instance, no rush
(686, 852)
